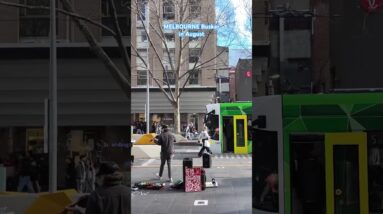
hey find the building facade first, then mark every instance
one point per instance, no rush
(222, 76)
(171, 56)
(261, 49)
(93, 111)
(243, 80)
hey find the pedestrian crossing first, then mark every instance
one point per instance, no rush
(231, 156)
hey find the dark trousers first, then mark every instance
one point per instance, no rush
(167, 159)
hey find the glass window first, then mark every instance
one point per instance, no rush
(168, 10)
(144, 37)
(375, 171)
(122, 17)
(144, 54)
(307, 173)
(141, 10)
(123, 21)
(169, 78)
(265, 170)
(249, 128)
(170, 37)
(141, 77)
(165, 57)
(212, 123)
(194, 54)
(240, 124)
(194, 8)
(191, 38)
(194, 77)
(34, 22)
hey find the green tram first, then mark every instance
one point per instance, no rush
(229, 126)
(318, 154)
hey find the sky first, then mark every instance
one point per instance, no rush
(234, 16)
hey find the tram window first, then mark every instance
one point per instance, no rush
(375, 171)
(307, 173)
(249, 129)
(212, 123)
(265, 170)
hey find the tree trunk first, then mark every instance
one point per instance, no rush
(177, 117)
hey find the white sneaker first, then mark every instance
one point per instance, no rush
(158, 176)
(170, 180)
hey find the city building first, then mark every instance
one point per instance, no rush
(243, 80)
(310, 47)
(93, 111)
(232, 85)
(261, 49)
(222, 75)
(157, 45)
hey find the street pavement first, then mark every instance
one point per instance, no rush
(233, 194)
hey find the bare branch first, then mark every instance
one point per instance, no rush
(155, 50)
(118, 38)
(121, 80)
(152, 75)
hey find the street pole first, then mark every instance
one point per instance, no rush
(220, 89)
(281, 47)
(147, 75)
(52, 129)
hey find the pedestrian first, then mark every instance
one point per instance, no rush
(70, 173)
(153, 128)
(90, 176)
(35, 175)
(81, 174)
(271, 187)
(25, 174)
(204, 138)
(110, 197)
(166, 140)
(189, 131)
(158, 128)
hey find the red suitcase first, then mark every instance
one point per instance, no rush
(193, 181)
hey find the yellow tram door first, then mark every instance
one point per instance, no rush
(240, 134)
(346, 173)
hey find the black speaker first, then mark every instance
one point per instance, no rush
(206, 160)
(187, 162)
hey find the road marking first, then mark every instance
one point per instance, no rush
(148, 162)
(201, 202)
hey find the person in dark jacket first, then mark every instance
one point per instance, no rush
(166, 140)
(110, 196)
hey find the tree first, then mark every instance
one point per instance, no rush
(152, 15)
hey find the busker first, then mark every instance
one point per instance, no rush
(166, 140)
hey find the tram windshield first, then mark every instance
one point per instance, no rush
(212, 123)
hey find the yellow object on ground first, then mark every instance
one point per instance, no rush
(146, 139)
(13, 193)
(51, 202)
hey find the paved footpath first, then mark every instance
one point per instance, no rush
(233, 195)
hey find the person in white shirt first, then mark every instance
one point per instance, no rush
(204, 138)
